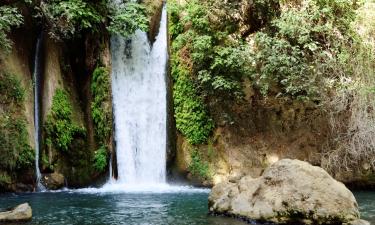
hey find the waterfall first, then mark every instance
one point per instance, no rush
(36, 81)
(140, 106)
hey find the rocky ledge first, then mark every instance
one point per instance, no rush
(21, 213)
(288, 192)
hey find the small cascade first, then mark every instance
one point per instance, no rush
(140, 107)
(36, 79)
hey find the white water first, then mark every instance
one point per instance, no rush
(36, 77)
(140, 109)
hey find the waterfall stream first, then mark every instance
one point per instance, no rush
(36, 80)
(140, 107)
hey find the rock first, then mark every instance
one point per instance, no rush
(289, 191)
(358, 222)
(53, 181)
(20, 213)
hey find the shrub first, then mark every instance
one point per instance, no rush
(101, 159)
(59, 127)
(9, 17)
(100, 108)
(190, 113)
(197, 166)
(66, 18)
(125, 19)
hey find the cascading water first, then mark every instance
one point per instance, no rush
(140, 107)
(36, 80)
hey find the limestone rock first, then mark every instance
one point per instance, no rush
(53, 181)
(20, 213)
(358, 222)
(289, 191)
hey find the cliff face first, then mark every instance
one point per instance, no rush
(270, 121)
(17, 114)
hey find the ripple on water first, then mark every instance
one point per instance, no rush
(168, 206)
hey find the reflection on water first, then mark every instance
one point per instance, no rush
(366, 202)
(175, 208)
(125, 208)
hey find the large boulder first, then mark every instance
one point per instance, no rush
(53, 181)
(20, 213)
(289, 191)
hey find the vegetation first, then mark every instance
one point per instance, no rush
(59, 127)
(198, 167)
(9, 17)
(101, 114)
(69, 18)
(15, 150)
(101, 159)
(101, 108)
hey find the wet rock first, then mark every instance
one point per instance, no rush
(53, 181)
(289, 191)
(358, 222)
(20, 213)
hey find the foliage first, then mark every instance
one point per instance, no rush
(14, 143)
(127, 18)
(101, 159)
(216, 62)
(68, 17)
(100, 108)
(5, 179)
(198, 167)
(294, 55)
(15, 150)
(192, 119)
(59, 127)
(9, 17)
(12, 90)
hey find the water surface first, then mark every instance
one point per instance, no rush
(174, 208)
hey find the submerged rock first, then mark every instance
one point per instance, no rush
(20, 213)
(53, 181)
(289, 191)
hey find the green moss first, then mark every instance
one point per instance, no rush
(192, 119)
(100, 107)
(15, 151)
(198, 167)
(101, 159)
(59, 127)
(11, 90)
(5, 179)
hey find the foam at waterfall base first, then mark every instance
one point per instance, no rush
(161, 188)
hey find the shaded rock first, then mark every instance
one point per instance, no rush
(20, 213)
(53, 181)
(358, 222)
(289, 191)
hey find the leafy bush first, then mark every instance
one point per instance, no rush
(100, 108)
(9, 17)
(68, 17)
(14, 144)
(11, 88)
(101, 159)
(125, 19)
(191, 116)
(59, 127)
(215, 62)
(197, 166)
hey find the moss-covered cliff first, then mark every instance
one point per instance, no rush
(258, 81)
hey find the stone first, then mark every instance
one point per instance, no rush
(289, 191)
(358, 222)
(20, 213)
(53, 181)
